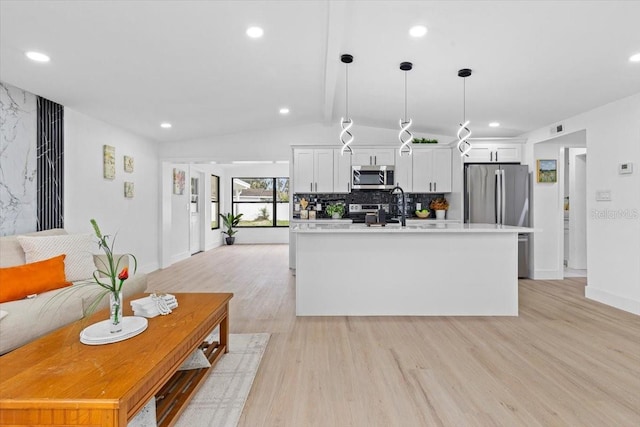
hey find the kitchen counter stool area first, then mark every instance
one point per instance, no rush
(438, 270)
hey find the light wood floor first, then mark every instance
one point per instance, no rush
(565, 361)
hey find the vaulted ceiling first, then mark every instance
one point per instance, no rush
(136, 64)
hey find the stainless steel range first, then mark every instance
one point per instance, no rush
(358, 212)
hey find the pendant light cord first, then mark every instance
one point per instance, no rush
(464, 100)
(405, 96)
(346, 90)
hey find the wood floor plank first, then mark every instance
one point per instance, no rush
(565, 361)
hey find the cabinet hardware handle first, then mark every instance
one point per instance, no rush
(348, 187)
(430, 186)
(496, 156)
(375, 160)
(316, 186)
(311, 186)
(435, 186)
(491, 152)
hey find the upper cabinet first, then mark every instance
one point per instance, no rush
(494, 153)
(313, 170)
(373, 156)
(341, 171)
(404, 172)
(431, 170)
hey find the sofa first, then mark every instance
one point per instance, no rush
(26, 319)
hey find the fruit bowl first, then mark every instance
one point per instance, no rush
(422, 214)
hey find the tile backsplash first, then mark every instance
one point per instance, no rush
(365, 197)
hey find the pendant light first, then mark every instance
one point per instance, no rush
(405, 136)
(345, 122)
(463, 131)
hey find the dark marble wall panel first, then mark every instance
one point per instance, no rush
(50, 158)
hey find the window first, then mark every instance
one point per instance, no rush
(215, 202)
(263, 202)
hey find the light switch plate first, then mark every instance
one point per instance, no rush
(625, 168)
(603, 195)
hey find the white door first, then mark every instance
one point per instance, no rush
(195, 225)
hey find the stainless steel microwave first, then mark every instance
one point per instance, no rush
(372, 177)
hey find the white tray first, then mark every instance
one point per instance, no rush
(99, 333)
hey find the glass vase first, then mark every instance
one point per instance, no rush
(115, 312)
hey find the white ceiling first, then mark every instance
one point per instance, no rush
(138, 63)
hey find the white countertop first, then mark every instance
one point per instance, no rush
(419, 228)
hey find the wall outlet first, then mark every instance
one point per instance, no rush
(418, 206)
(603, 195)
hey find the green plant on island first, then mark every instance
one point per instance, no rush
(335, 209)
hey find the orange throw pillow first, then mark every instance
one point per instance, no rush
(34, 278)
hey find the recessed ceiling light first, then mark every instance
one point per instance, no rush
(418, 31)
(635, 58)
(284, 111)
(255, 32)
(494, 124)
(165, 125)
(37, 56)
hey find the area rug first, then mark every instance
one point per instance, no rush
(221, 398)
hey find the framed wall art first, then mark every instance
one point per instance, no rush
(128, 190)
(128, 164)
(547, 171)
(109, 161)
(178, 181)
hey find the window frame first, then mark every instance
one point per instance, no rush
(217, 202)
(274, 202)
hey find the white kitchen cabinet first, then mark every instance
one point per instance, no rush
(313, 170)
(373, 156)
(341, 171)
(431, 170)
(403, 173)
(494, 153)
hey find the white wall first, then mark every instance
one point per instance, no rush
(613, 227)
(87, 194)
(275, 144)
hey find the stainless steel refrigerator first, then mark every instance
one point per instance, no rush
(499, 194)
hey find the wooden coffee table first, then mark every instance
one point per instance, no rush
(58, 381)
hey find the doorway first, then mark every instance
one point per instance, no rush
(195, 213)
(575, 241)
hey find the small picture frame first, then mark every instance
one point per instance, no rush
(128, 190)
(546, 171)
(128, 164)
(178, 181)
(109, 161)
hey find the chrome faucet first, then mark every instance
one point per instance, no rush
(403, 213)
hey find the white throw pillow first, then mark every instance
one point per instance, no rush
(197, 360)
(3, 314)
(78, 264)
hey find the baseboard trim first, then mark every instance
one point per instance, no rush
(612, 300)
(179, 257)
(548, 275)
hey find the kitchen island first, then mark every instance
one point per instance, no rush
(419, 270)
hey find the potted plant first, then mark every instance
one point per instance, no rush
(440, 205)
(335, 211)
(230, 220)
